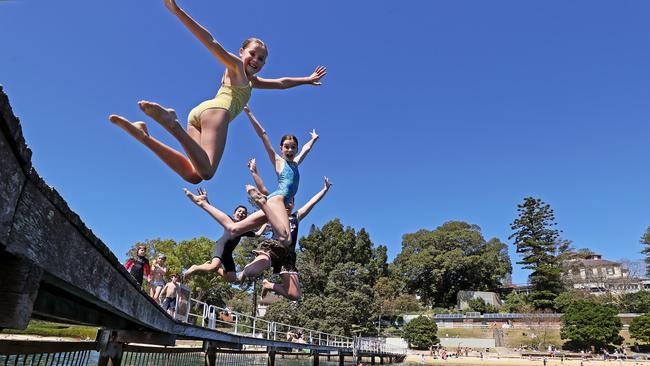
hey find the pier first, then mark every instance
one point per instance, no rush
(53, 267)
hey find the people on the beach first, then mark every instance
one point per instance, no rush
(207, 127)
(168, 295)
(139, 266)
(158, 271)
(222, 255)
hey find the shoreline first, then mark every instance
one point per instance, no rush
(514, 361)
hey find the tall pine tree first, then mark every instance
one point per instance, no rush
(538, 242)
(645, 240)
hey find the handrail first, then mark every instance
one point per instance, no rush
(228, 321)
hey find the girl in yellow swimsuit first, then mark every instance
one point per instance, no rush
(205, 138)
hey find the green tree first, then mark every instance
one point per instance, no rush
(587, 324)
(208, 288)
(640, 328)
(539, 244)
(421, 332)
(566, 299)
(338, 271)
(517, 303)
(478, 304)
(455, 256)
(636, 302)
(645, 240)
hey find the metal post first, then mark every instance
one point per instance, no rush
(341, 359)
(254, 323)
(110, 352)
(271, 356)
(316, 360)
(236, 323)
(210, 353)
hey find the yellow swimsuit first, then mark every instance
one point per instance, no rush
(229, 97)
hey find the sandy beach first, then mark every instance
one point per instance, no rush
(475, 361)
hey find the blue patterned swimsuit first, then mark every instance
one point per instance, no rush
(287, 182)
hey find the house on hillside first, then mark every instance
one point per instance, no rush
(597, 275)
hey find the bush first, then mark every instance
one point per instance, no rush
(640, 328)
(637, 302)
(588, 324)
(420, 332)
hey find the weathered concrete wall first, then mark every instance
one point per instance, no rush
(52, 265)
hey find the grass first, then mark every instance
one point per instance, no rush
(517, 337)
(49, 329)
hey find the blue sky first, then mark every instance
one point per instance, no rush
(431, 111)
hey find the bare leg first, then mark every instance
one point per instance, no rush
(276, 213)
(289, 288)
(205, 267)
(205, 154)
(228, 276)
(256, 267)
(156, 295)
(175, 160)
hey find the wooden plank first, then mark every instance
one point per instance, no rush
(10, 128)
(12, 180)
(18, 292)
(43, 235)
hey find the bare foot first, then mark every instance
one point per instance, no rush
(267, 284)
(135, 129)
(266, 287)
(166, 117)
(188, 272)
(255, 197)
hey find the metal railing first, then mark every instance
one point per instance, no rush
(45, 353)
(228, 321)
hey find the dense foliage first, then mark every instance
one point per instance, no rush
(645, 240)
(205, 287)
(455, 256)
(587, 324)
(539, 243)
(640, 328)
(420, 332)
(339, 268)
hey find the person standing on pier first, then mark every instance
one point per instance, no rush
(139, 266)
(169, 294)
(158, 271)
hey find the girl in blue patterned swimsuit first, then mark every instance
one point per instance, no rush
(286, 168)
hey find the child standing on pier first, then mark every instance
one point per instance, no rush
(158, 271)
(139, 266)
(169, 294)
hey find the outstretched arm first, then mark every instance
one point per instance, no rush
(261, 230)
(256, 177)
(262, 134)
(307, 147)
(230, 61)
(290, 82)
(304, 210)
